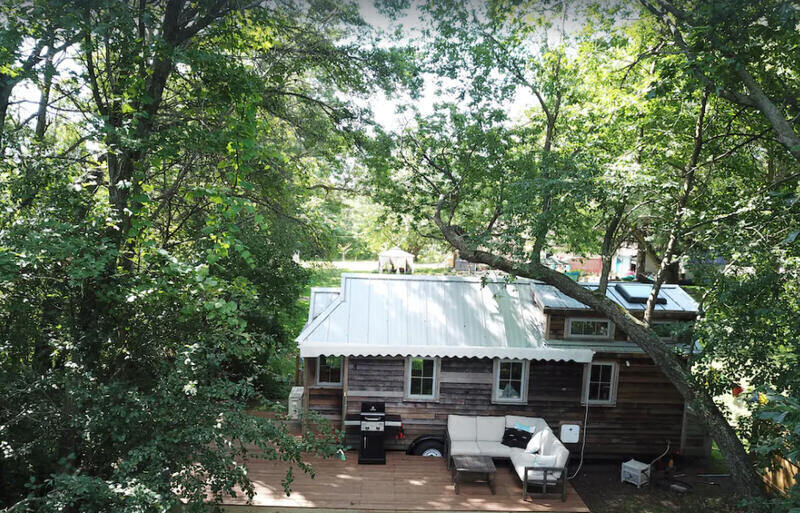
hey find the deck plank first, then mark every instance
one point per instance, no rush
(404, 484)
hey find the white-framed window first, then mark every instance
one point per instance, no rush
(578, 327)
(510, 381)
(600, 383)
(422, 378)
(329, 371)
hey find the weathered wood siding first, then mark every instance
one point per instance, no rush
(648, 411)
(556, 322)
(324, 400)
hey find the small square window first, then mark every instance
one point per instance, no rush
(329, 370)
(600, 383)
(510, 381)
(422, 375)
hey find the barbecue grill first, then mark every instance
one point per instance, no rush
(373, 425)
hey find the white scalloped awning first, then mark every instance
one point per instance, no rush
(380, 315)
(545, 353)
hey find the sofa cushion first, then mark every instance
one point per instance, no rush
(464, 448)
(536, 476)
(461, 428)
(516, 438)
(523, 459)
(494, 449)
(536, 423)
(490, 429)
(517, 451)
(544, 460)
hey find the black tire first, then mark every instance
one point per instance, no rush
(430, 448)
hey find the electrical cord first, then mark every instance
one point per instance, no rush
(583, 442)
(662, 454)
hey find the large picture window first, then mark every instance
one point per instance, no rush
(589, 328)
(600, 383)
(421, 378)
(510, 381)
(329, 370)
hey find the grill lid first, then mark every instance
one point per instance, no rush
(373, 408)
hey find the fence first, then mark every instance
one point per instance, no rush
(782, 475)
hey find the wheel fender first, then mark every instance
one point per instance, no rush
(424, 438)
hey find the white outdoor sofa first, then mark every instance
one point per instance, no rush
(482, 436)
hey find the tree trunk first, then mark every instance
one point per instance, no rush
(641, 264)
(605, 270)
(683, 201)
(739, 464)
(783, 129)
(44, 98)
(610, 246)
(6, 85)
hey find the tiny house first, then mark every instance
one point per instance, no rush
(431, 346)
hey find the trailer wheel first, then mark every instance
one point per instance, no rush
(430, 448)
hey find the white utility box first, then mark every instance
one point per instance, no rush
(295, 402)
(635, 472)
(570, 433)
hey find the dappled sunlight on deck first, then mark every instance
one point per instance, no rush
(405, 483)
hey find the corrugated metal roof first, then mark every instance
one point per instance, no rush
(677, 299)
(321, 298)
(391, 315)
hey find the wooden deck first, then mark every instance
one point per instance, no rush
(405, 483)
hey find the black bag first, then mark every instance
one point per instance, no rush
(516, 438)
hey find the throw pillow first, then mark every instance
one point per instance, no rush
(535, 443)
(515, 438)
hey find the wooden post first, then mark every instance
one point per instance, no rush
(307, 375)
(684, 429)
(547, 325)
(345, 374)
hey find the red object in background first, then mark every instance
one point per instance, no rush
(737, 390)
(587, 265)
